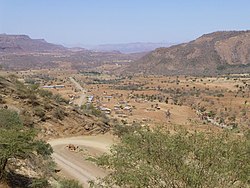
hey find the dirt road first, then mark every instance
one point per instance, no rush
(74, 164)
(83, 97)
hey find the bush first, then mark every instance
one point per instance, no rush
(90, 109)
(58, 98)
(43, 148)
(38, 111)
(30, 81)
(14, 144)
(33, 98)
(9, 119)
(121, 130)
(45, 93)
(39, 183)
(27, 120)
(156, 158)
(69, 184)
(59, 114)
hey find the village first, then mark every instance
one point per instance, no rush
(153, 100)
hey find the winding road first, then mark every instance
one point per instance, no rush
(74, 164)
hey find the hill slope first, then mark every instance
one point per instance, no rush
(218, 52)
(51, 114)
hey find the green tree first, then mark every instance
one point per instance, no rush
(17, 141)
(156, 158)
(14, 144)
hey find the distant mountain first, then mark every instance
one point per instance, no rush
(128, 47)
(20, 52)
(214, 53)
(23, 43)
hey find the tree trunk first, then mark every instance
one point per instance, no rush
(2, 167)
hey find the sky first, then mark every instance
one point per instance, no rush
(94, 22)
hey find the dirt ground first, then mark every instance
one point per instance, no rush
(228, 97)
(74, 164)
(194, 103)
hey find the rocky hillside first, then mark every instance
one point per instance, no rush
(214, 53)
(23, 43)
(29, 116)
(51, 114)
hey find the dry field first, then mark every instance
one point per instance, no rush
(193, 102)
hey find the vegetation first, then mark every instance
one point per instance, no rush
(60, 100)
(39, 183)
(39, 111)
(69, 184)
(90, 109)
(45, 93)
(17, 141)
(59, 114)
(9, 119)
(156, 158)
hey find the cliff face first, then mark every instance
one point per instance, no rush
(23, 43)
(218, 52)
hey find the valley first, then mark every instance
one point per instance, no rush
(147, 100)
(99, 102)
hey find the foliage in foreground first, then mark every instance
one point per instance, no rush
(17, 141)
(155, 158)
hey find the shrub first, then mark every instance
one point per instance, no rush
(59, 114)
(38, 111)
(59, 99)
(39, 183)
(156, 158)
(43, 148)
(45, 93)
(69, 184)
(27, 120)
(90, 109)
(9, 119)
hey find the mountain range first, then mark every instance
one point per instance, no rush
(20, 52)
(23, 43)
(219, 52)
(127, 48)
(214, 53)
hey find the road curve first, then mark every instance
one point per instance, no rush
(74, 164)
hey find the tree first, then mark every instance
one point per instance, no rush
(17, 141)
(156, 158)
(14, 144)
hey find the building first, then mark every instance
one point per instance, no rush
(53, 86)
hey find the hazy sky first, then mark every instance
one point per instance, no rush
(121, 21)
